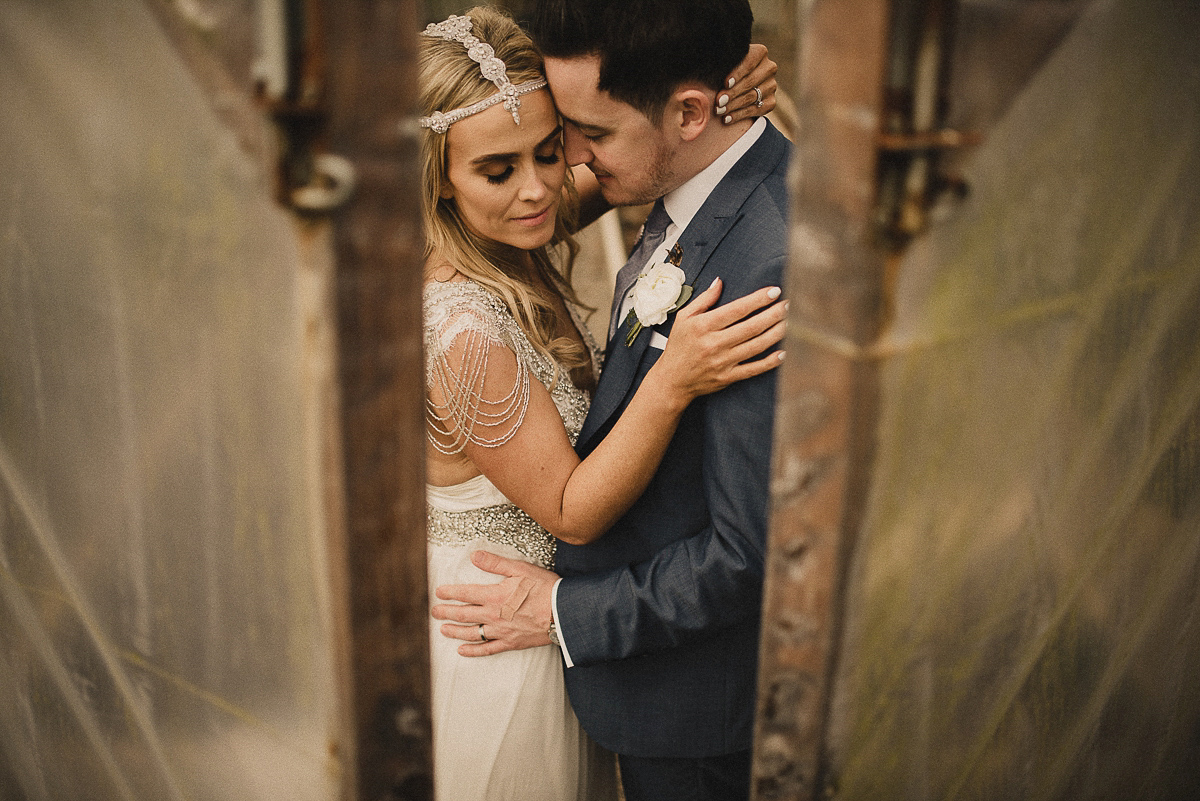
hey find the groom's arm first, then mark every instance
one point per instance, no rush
(692, 587)
(686, 591)
(699, 584)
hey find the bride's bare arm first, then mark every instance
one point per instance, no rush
(578, 500)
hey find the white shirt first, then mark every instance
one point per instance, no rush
(681, 205)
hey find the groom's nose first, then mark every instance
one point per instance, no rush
(576, 149)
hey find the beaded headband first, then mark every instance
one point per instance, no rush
(460, 29)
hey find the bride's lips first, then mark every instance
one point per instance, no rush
(534, 220)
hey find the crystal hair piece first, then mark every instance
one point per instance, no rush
(461, 30)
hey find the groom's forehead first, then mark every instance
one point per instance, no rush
(574, 82)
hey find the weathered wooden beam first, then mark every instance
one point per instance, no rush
(371, 91)
(826, 415)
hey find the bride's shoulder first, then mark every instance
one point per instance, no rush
(457, 290)
(458, 305)
(441, 271)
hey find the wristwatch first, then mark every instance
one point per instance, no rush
(552, 633)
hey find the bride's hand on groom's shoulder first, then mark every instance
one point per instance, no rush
(491, 618)
(741, 101)
(712, 346)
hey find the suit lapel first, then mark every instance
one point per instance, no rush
(706, 230)
(620, 370)
(722, 210)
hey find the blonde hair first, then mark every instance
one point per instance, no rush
(449, 79)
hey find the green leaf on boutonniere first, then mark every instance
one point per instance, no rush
(634, 331)
(685, 294)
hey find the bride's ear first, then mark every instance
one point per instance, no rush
(694, 112)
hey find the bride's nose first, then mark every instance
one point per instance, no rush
(533, 188)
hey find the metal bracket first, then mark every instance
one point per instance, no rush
(290, 86)
(911, 179)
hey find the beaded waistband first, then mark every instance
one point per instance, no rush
(503, 524)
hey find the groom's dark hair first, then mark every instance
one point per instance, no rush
(647, 48)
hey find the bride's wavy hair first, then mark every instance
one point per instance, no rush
(449, 79)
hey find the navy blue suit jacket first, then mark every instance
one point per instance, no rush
(662, 613)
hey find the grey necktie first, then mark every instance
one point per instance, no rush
(653, 233)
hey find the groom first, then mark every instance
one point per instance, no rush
(658, 620)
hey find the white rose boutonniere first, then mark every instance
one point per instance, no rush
(659, 291)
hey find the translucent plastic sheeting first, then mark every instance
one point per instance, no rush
(163, 596)
(1023, 612)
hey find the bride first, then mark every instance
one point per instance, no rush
(510, 369)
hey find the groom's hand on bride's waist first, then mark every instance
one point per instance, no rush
(508, 616)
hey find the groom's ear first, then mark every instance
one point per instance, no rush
(693, 110)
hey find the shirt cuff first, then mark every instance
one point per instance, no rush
(562, 641)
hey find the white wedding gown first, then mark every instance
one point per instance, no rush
(503, 728)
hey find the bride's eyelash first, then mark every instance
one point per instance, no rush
(500, 177)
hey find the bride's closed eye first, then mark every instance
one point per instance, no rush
(500, 177)
(549, 159)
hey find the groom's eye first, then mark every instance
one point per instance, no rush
(594, 134)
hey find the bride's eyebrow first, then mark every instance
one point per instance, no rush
(557, 132)
(492, 158)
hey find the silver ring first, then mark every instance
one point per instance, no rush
(482, 636)
(758, 94)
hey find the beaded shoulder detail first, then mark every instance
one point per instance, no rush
(466, 329)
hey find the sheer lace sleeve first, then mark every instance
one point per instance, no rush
(477, 386)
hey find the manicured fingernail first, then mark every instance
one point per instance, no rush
(732, 81)
(781, 355)
(787, 304)
(714, 283)
(774, 292)
(721, 109)
(728, 120)
(723, 101)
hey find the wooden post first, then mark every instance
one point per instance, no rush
(826, 414)
(372, 88)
